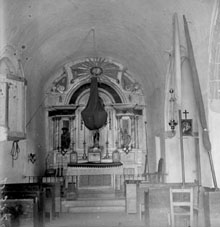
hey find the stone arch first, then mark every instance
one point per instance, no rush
(103, 89)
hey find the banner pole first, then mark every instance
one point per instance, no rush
(199, 99)
(181, 149)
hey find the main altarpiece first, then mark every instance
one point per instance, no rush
(118, 147)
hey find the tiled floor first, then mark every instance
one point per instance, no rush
(97, 220)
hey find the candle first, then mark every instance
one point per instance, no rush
(107, 132)
(84, 133)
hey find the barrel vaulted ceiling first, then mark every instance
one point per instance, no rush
(136, 33)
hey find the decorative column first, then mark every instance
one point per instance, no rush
(51, 133)
(72, 132)
(54, 133)
(136, 126)
(133, 142)
(110, 135)
(118, 140)
(57, 133)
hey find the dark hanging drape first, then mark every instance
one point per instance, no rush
(94, 115)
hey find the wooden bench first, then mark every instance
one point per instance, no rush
(17, 194)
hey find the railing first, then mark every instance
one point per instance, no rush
(151, 178)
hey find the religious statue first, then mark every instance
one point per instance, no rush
(65, 138)
(96, 139)
(126, 140)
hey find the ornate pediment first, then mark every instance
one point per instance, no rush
(95, 67)
(74, 78)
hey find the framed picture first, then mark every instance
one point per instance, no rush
(186, 126)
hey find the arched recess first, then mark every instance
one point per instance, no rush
(103, 88)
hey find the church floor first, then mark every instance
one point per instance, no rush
(114, 219)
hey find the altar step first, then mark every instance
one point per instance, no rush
(89, 194)
(91, 205)
(98, 196)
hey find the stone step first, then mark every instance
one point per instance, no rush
(91, 205)
(96, 196)
(94, 203)
(101, 194)
(96, 209)
(95, 190)
(95, 200)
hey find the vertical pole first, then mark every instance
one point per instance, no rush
(177, 60)
(213, 171)
(182, 150)
(198, 161)
(199, 99)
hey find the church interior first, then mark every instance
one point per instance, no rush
(109, 113)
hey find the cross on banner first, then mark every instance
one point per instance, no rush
(185, 113)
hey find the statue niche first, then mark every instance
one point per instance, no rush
(96, 139)
(65, 139)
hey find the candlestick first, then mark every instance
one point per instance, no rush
(110, 120)
(107, 132)
(84, 144)
(107, 154)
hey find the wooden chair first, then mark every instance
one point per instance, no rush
(181, 205)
